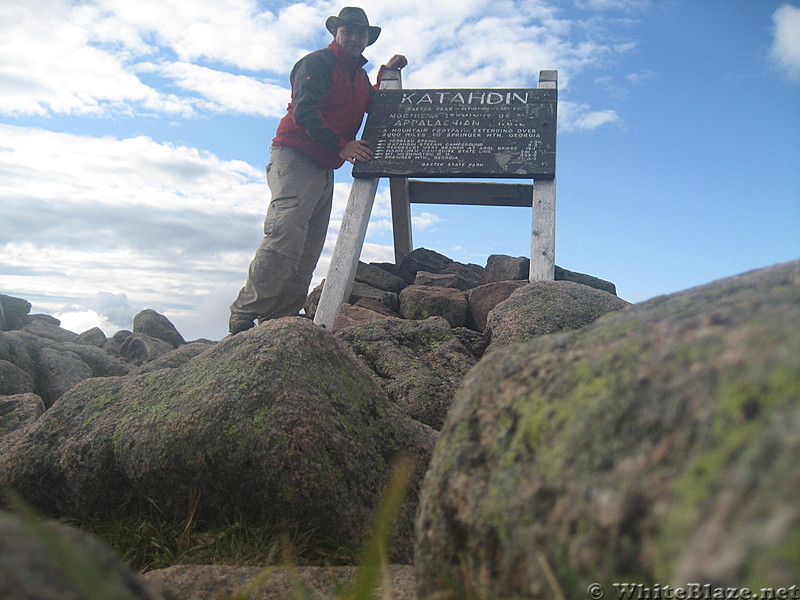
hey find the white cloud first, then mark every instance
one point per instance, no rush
(95, 57)
(48, 65)
(426, 221)
(83, 320)
(621, 5)
(786, 39)
(580, 117)
(136, 172)
(226, 92)
(162, 224)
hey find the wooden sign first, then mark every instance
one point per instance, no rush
(462, 133)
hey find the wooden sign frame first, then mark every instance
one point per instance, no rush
(349, 243)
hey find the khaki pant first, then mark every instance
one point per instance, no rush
(294, 234)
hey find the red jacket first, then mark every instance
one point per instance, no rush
(330, 94)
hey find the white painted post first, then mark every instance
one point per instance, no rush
(543, 225)
(350, 241)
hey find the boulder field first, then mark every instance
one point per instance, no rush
(559, 436)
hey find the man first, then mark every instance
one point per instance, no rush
(330, 94)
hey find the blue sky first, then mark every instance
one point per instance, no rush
(133, 138)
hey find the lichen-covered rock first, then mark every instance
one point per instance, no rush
(420, 364)
(659, 444)
(421, 302)
(52, 561)
(543, 307)
(16, 412)
(176, 358)
(279, 424)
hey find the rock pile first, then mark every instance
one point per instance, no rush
(658, 443)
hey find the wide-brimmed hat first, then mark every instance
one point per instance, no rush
(352, 15)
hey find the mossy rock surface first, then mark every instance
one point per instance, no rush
(544, 307)
(659, 444)
(420, 364)
(279, 424)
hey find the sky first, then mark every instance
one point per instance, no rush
(134, 136)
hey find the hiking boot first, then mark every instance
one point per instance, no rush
(239, 324)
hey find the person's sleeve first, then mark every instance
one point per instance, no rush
(311, 78)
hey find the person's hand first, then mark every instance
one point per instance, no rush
(355, 151)
(398, 61)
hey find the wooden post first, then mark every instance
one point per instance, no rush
(543, 223)
(350, 241)
(401, 217)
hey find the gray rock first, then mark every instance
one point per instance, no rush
(19, 349)
(100, 362)
(153, 324)
(214, 582)
(52, 561)
(362, 295)
(363, 291)
(92, 337)
(422, 259)
(377, 276)
(658, 444)
(278, 424)
(544, 307)
(115, 342)
(500, 267)
(59, 372)
(52, 367)
(421, 302)
(14, 312)
(49, 329)
(420, 364)
(140, 348)
(176, 358)
(14, 380)
(595, 282)
(312, 301)
(450, 280)
(469, 275)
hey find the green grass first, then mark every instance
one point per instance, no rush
(150, 541)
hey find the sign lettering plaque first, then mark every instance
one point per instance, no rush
(461, 133)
